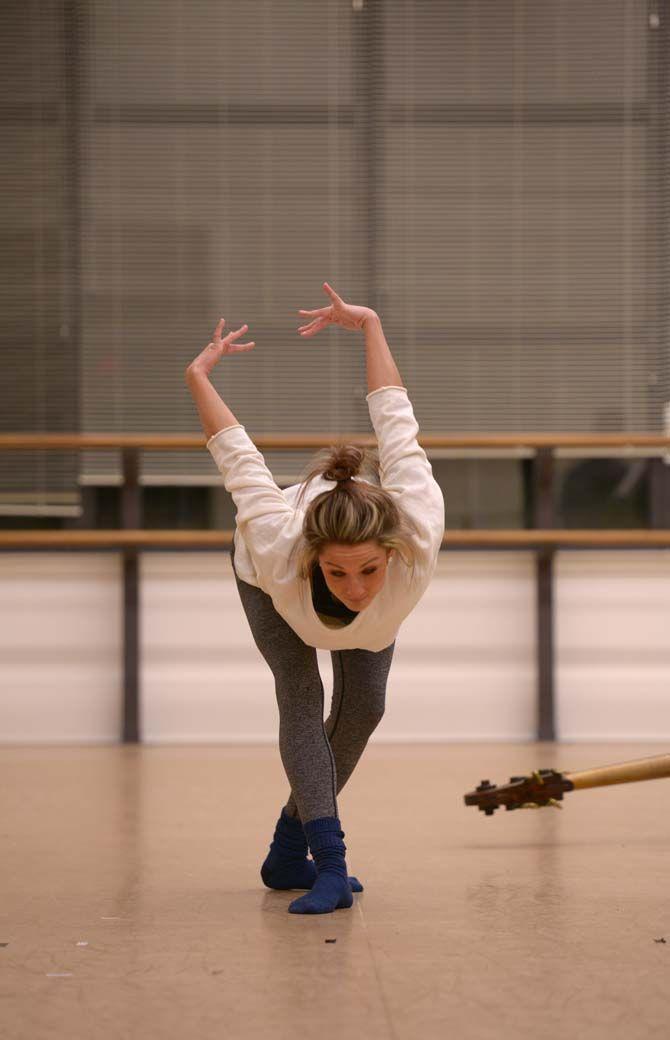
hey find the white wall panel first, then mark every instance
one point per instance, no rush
(61, 647)
(464, 667)
(613, 645)
(203, 678)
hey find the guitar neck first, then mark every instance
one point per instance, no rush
(622, 772)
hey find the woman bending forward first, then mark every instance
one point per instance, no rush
(336, 562)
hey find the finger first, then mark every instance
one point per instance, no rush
(320, 310)
(331, 292)
(313, 328)
(309, 325)
(217, 330)
(238, 332)
(242, 346)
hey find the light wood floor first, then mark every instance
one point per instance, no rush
(132, 905)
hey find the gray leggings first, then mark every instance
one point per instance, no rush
(318, 758)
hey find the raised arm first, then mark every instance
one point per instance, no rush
(264, 516)
(381, 368)
(214, 414)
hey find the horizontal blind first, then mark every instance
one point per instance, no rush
(487, 175)
(516, 200)
(660, 219)
(221, 182)
(38, 276)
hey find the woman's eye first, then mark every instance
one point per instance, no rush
(339, 574)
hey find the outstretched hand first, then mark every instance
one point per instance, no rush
(220, 345)
(347, 315)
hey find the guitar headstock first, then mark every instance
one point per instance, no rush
(542, 787)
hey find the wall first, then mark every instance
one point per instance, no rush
(464, 667)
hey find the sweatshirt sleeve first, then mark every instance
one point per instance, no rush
(263, 513)
(404, 469)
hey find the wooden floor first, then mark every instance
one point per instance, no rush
(132, 905)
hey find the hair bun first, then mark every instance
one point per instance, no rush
(338, 473)
(343, 463)
(339, 463)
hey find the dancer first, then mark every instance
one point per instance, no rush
(336, 562)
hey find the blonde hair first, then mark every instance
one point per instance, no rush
(353, 511)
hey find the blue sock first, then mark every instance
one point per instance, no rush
(331, 890)
(286, 864)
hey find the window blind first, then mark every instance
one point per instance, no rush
(490, 175)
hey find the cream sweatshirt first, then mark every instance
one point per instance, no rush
(268, 526)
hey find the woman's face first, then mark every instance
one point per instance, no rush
(354, 573)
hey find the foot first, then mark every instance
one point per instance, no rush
(293, 874)
(329, 892)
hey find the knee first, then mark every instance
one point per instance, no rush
(298, 686)
(370, 715)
